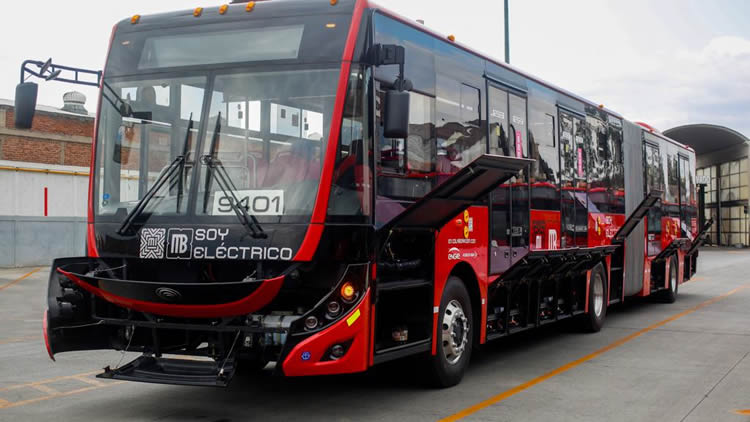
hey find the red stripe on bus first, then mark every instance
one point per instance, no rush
(321, 203)
(258, 299)
(314, 232)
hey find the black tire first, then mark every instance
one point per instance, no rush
(446, 368)
(669, 295)
(592, 321)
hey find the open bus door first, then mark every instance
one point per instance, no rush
(459, 192)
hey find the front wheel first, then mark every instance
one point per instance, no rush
(454, 335)
(594, 318)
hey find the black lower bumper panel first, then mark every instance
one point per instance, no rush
(174, 371)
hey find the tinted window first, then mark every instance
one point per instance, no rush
(420, 60)
(301, 39)
(672, 194)
(654, 181)
(498, 118)
(459, 137)
(406, 168)
(351, 193)
(543, 150)
(617, 170)
(518, 125)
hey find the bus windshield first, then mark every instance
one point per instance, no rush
(266, 129)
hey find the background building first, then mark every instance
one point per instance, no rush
(722, 158)
(44, 183)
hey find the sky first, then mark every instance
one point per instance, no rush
(666, 62)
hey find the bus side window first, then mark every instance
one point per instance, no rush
(406, 166)
(460, 139)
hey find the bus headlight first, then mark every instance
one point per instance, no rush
(338, 302)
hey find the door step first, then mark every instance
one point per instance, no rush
(174, 371)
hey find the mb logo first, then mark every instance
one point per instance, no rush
(180, 244)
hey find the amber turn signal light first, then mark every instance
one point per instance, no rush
(348, 292)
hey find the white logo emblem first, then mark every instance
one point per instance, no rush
(152, 243)
(180, 244)
(552, 239)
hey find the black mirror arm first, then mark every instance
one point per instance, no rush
(54, 68)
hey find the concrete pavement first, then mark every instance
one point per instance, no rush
(687, 361)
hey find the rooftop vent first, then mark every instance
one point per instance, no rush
(74, 102)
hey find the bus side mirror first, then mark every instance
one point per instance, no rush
(396, 121)
(396, 114)
(25, 106)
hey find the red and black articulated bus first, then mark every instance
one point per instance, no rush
(328, 186)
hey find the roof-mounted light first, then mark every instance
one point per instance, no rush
(134, 20)
(197, 12)
(452, 38)
(334, 2)
(223, 9)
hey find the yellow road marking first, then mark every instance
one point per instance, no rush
(5, 286)
(20, 339)
(90, 381)
(51, 392)
(47, 381)
(44, 389)
(52, 396)
(742, 412)
(568, 366)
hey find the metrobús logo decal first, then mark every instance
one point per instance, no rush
(180, 243)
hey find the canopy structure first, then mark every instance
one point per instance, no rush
(706, 138)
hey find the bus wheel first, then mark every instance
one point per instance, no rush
(454, 335)
(670, 294)
(594, 318)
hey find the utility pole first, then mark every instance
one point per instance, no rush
(507, 35)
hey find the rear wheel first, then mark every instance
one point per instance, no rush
(670, 294)
(454, 335)
(594, 318)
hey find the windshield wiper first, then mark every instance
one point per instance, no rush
(141, 205)
(178, 163)
(180, 187)
(227, 187)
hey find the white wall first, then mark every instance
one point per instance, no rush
(23, 192)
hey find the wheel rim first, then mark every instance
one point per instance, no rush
(455, 332)
(598, 295)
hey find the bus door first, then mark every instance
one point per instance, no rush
(687, 223)
(573, 166)
(509, 223)
(654, 180)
